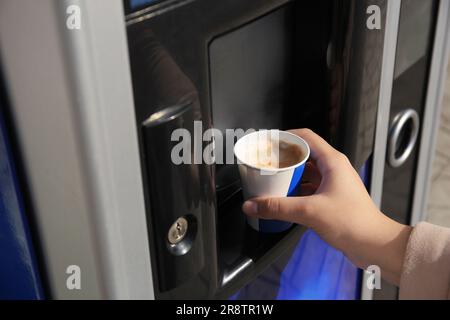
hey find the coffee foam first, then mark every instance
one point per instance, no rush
(273, 154)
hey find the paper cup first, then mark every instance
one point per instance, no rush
(260, 181)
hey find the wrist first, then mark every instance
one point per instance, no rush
(384, 244)
(392, 250)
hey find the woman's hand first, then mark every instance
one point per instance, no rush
(334, 203)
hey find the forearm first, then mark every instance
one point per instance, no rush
(382, 242)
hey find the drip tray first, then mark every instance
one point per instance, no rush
(244, 253)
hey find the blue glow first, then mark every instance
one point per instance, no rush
(19, 275)
(235, 296)
(139, 3)
(314, 271)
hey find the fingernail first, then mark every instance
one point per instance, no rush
(250, 207)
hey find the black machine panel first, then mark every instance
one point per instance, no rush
(414, 50)
(251, 70)
(412, 66)
(240, 64)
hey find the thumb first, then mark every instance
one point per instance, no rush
(292, 209)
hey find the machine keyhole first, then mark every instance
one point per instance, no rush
(177, 231)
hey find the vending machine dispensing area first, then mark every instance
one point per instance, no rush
(246, 64)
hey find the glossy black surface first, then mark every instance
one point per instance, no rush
(250, 82)
(325, 77)
(239, 246)
(412, 67)
(178, 196)
(355, 80)
(409, 91)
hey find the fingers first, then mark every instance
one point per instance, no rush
(321, 152)
(311, 174)
(307, 189)
(292, 209)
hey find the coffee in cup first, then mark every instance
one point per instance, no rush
(271, 164)
(269, 154)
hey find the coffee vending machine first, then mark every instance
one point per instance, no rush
(88, 110)
(246, 64)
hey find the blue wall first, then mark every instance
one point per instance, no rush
(19, 277)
